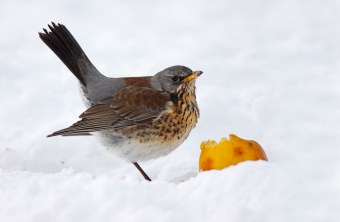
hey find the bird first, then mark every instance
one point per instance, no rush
(137, 118)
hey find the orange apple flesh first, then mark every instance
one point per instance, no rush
(229, 152)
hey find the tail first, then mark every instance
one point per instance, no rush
(64, 45)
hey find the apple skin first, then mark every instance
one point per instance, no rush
(229, 152)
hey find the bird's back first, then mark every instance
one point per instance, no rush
(101, 87)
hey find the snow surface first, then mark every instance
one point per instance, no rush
(271, 73)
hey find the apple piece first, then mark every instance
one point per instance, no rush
(229, 152)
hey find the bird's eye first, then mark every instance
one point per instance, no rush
(175, 78)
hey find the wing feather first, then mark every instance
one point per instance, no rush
(130, 106)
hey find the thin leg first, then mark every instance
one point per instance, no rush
(141, 171)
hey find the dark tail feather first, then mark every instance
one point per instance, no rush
(64, 45)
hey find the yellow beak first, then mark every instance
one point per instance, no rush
(193, 76)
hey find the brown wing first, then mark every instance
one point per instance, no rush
(130, 106)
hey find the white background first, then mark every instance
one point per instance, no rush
(271, 73)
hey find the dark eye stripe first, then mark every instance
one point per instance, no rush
(175, 78)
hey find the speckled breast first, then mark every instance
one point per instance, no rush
(173, 125)
(162, 136)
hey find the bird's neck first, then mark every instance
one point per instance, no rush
(186, 94)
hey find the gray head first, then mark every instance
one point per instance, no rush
(170, 79)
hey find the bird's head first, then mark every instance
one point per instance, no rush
(175, 79)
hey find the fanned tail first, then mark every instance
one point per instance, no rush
(64, 45)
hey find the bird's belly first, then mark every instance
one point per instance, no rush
(135, 149)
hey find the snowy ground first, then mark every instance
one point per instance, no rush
(271, 73)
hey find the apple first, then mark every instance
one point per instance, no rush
(229, 152)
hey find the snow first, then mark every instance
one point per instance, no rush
(271, 74)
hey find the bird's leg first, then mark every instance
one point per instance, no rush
(141, 171)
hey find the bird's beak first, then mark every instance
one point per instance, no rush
(193, 76)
